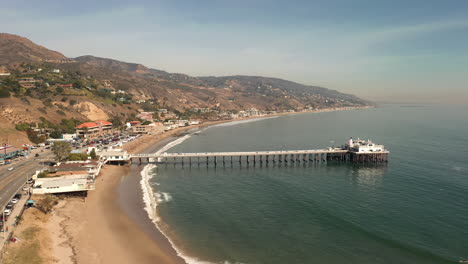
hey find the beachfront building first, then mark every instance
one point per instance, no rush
(152, 128)
(63, 184)
(252, 112)
(178, 123)
(194, 122)
(70, 176)
(114, 156)
(93, 128)
(201, 110)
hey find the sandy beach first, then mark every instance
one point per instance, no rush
(100, 232)
(110, 225)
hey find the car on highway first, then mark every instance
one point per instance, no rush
(11, 168)
(7, 212)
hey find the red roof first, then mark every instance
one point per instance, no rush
(103, 123)
(88, 125)
(135, 122)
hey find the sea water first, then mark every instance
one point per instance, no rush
(412, 210)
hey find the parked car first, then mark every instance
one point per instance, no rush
(7, 212)
(14, 200)
(11, 168)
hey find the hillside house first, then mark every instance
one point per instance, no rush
(92, 128)
(27, 82)
(147, 116)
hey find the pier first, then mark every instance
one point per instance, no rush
(359, 151)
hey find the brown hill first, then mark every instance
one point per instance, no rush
(15, 49)
(92, 76)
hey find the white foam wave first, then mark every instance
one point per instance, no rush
(152, 199)
(243, 121)
(162, 197)
(172, 144)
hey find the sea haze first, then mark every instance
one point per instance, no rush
(412, 210)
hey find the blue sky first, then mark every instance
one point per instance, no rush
(404, 51)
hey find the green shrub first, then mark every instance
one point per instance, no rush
(4, 93)
(78, 156)
(23, 126)
(56, 134)
(43, 174)
(59, 89)
(42, 110)
(47, 203)
(34, 137)
(60, 112)
(48, 102)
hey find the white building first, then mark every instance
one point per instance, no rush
(63, 184)
(364, 146)
(114, 155)
(194, 122)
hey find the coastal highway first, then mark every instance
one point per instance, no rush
(11, 181)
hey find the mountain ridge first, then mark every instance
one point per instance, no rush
(14, 49)
(42, 86)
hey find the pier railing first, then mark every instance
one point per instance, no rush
(281, 156)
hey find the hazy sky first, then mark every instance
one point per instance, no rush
(399, 50)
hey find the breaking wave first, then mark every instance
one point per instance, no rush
(243, 121)
(152, 199)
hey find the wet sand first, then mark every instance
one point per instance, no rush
(130, 199)
(104, 233)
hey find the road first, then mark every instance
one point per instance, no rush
(11, 181)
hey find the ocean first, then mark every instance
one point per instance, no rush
(412, 210)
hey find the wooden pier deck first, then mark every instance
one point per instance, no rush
(280, 156)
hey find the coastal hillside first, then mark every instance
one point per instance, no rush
(17, 49)
(38, 85)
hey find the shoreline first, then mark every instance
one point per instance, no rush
(112, 224)
(132, 202)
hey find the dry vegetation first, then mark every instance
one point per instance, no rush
(34, 242)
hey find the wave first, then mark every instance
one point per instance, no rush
(152, 199)
(243, 121)
(173, 144)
